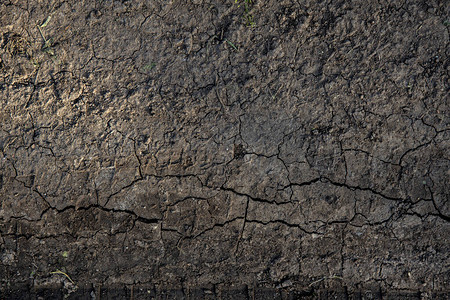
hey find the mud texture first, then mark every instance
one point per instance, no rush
(206, 149)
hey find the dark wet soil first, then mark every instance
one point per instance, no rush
(211, 149)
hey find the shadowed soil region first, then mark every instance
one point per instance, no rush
(222, 149)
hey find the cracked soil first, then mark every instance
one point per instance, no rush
(173, 149)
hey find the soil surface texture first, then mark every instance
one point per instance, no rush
(205, 149)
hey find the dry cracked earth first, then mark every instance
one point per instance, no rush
(210, 149)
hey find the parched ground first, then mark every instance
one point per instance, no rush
(207, 148)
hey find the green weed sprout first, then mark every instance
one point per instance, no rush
(248, 17)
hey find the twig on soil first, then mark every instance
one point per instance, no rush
(47, 46)
(46, 22)
(42, 35)
(324, 278)
(62, 273)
